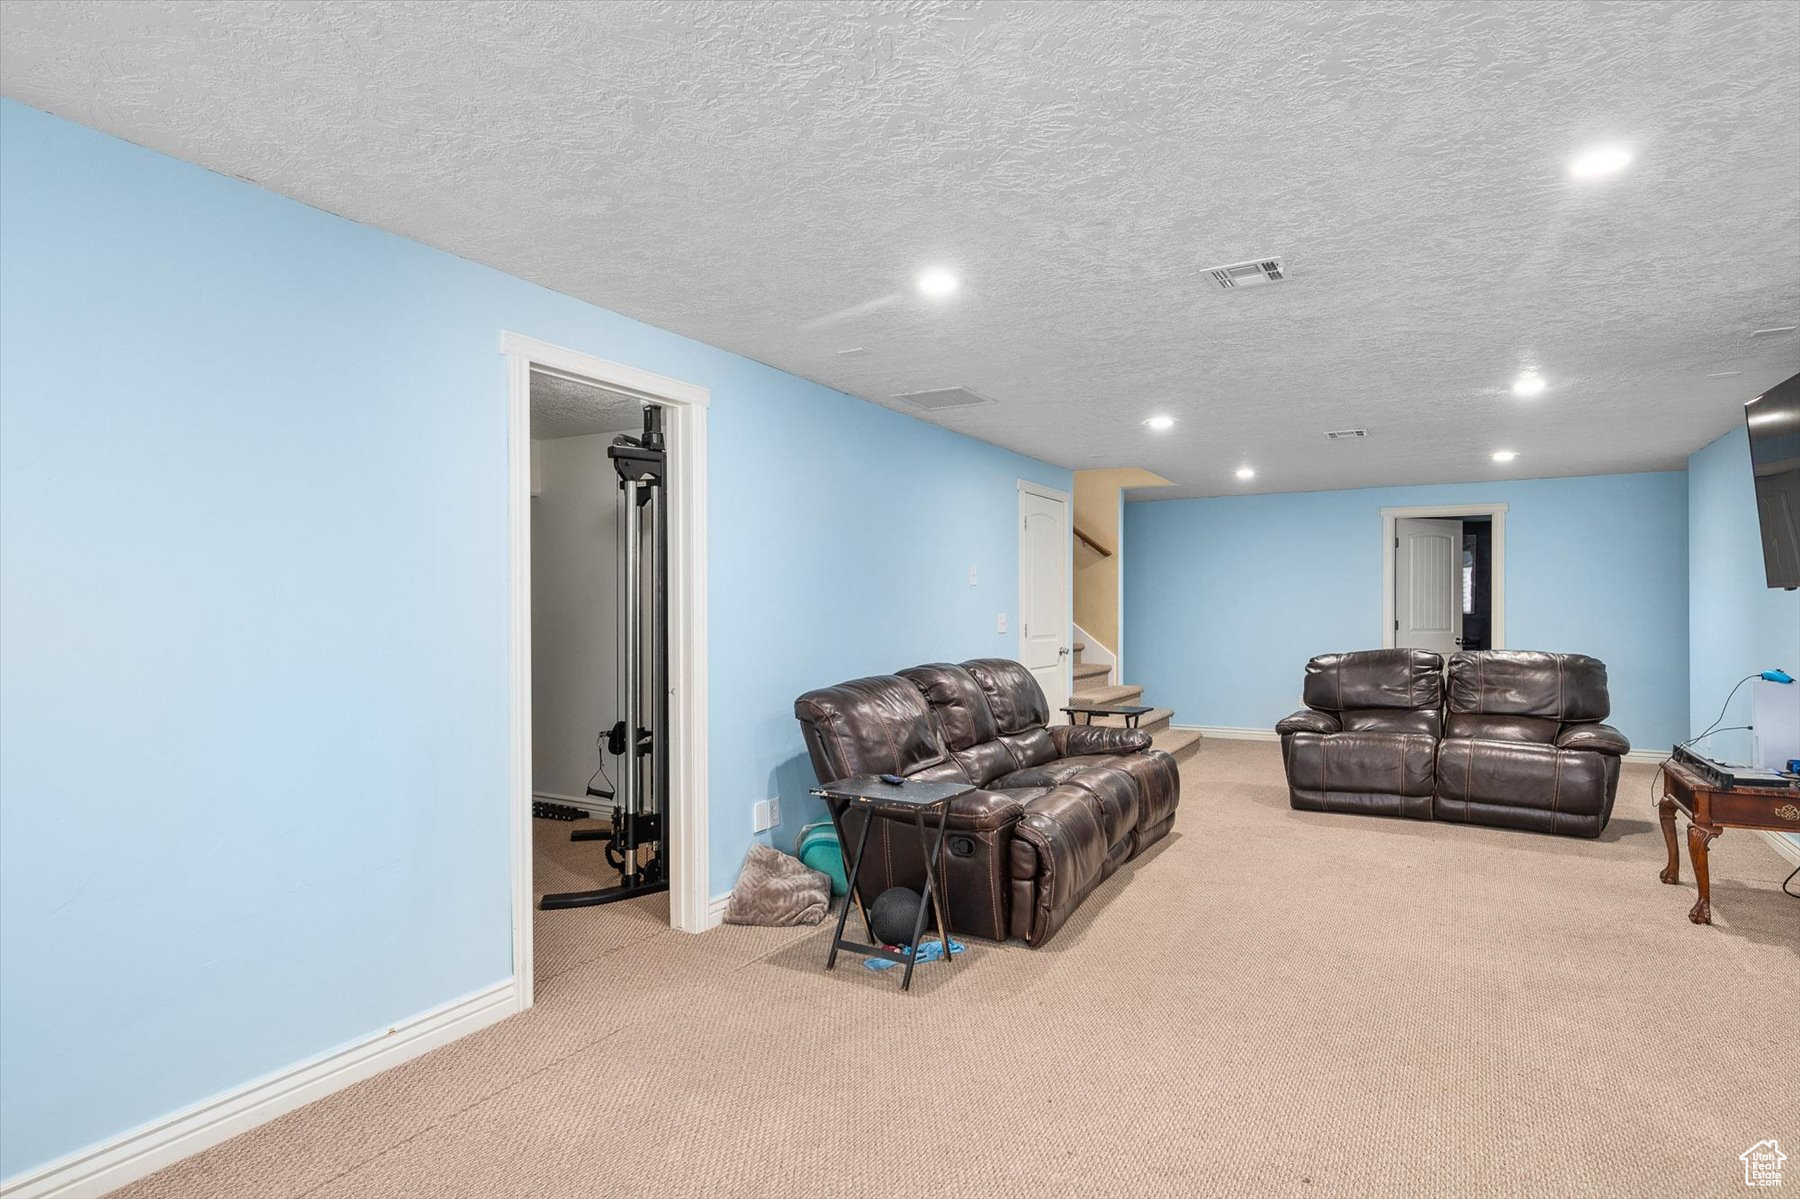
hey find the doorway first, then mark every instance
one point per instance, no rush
(580, 398)
(1046, 614)
(1444, 578)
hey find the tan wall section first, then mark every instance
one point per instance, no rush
(1097, 514)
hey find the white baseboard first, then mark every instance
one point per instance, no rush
(1649, 757)
(1785, 846)
(585, 803)
(1228, 734)
(715, 911)
(149, 1147)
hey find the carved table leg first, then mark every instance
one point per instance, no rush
(1666, 813)
(1699, 836)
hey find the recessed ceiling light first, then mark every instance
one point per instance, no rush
(1724, 374)
(1600, 162)
(1244, 472)
(1529, 385)
(937, 282)
(1777, 331)
(1504, 455)
(1162, 424)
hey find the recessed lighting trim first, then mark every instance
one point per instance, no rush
(1505, 455)
(1245, 472)
(1777, 331)
(1724, 374)
(938, 282)
(1600, 162)
(1529, 384)
(1160, 424)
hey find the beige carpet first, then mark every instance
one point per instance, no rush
(1273, 1003)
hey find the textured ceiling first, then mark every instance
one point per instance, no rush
(770, 177)
(561, 408)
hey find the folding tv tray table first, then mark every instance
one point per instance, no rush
(890, 801)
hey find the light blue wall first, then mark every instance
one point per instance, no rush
(253, 617)
(1227, 598)
(1736, 624)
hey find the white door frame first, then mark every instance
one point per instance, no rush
(1027, 487)
(685, 405)
(1497, 567)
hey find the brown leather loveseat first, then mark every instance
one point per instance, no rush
(1523, 744)
(1521, 747)
(1058, 808)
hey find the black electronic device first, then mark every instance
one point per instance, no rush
(1723, 776)
(891, 779)
(1773, 420)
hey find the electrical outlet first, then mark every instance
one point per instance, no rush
(972, 581)
(1000, 623)
(766, 815)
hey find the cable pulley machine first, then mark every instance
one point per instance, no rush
(635, 841)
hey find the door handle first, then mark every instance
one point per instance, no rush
(1062, 651)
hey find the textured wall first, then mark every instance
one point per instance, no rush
(1226, 599)
(1737, 625)
(253, 617)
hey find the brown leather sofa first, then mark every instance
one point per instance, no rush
(1058, 807)
(1524, 746)
(1521, 747)
(1367, 741)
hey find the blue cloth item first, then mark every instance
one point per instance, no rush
(929, 951)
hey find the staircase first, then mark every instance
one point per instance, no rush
(1091, 687)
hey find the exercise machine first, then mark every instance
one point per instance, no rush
(635, 840)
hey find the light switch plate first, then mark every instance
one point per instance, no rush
(1000, 623)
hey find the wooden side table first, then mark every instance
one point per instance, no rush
(1710, 812)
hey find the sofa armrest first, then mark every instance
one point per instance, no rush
(1599, 738)
(1310, 720)
(980, 810)
(1073, 740)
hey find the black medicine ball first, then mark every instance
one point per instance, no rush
(892, 914)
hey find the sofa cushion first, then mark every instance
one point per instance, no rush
(1377, 763)
(1375, 678)
(1502, 727)
(958, 703)
(1559, 687)
(1013, 696)
(1031, 747)
(876, 725)
(1429, 721)
(1473, 772)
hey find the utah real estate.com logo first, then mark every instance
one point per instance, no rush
(1762, 1164)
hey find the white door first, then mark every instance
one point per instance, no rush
(1045, 557)
(1428, 600)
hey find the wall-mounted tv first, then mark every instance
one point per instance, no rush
(1774, 422)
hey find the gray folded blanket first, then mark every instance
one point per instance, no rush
(777, 889)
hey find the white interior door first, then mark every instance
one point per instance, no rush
(1045, 613)
(1428, 601)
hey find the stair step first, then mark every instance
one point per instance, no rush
(1107, 695)
(1182, 743)
(1089, 671)
(1153, 722)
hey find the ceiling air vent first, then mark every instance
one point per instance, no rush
(1239, 275)
(1346, 434)
(942, 398)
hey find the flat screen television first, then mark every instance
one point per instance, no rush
(1774, 422)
